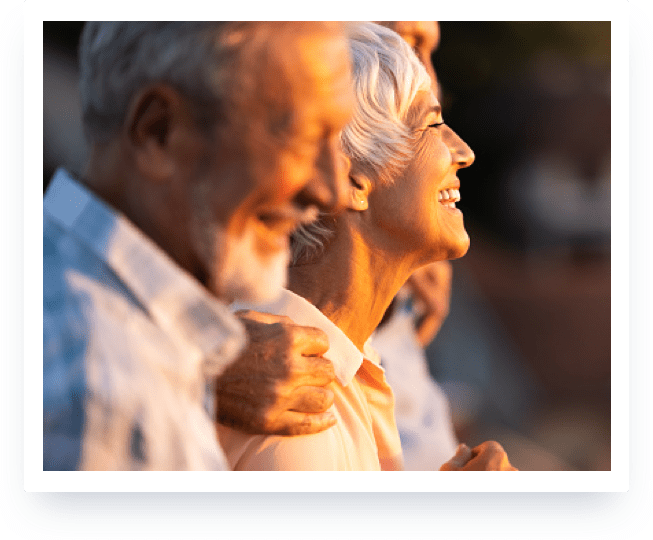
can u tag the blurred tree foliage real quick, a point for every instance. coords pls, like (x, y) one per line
(477, 54)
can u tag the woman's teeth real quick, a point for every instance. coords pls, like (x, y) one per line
(449, 197)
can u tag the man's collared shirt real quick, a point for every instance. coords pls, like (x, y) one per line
(365, 436)
(129, 341)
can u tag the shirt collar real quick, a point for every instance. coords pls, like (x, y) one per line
(174, 298)
(344, 355)
(371, 354)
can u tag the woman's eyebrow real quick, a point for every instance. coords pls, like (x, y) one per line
(414, 114)
(434, 109)
(437, 109)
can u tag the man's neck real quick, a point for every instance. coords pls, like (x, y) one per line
(111, 176)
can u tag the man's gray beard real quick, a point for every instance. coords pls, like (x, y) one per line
(236, 271)
(245, 277)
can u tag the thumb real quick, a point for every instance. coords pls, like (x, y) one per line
(460, 458)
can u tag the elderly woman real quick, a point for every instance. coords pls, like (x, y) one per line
(401, 214)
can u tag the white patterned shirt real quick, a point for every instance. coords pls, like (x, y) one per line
(130, 340)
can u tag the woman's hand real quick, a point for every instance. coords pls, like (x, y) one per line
(488, 456)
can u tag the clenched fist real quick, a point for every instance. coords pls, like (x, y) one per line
(278, 385)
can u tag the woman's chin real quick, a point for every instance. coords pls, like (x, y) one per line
(458, 249)
(447, 252)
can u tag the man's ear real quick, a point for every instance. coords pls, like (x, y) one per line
(151, 118)
(360, 187)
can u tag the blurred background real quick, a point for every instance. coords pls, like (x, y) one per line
(524, 355)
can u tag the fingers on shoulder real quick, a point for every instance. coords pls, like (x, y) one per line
(260, 317)
(311, 399)
(292, 423)
(309, 340)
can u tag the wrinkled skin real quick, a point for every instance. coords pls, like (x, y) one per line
(488, 456)
(430, 285)
(279, 384)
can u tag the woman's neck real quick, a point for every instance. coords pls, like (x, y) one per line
(352, 283)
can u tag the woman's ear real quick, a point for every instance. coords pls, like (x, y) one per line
(360, 187)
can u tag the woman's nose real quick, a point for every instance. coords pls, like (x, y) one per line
(461, 153)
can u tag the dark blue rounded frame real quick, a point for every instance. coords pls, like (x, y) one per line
(289, 515)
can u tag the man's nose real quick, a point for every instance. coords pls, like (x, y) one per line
(328, 187)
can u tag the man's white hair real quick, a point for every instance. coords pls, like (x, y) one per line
(205, 61)
(118, 58)
(387, 76)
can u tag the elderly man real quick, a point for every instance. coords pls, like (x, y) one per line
(209, 142)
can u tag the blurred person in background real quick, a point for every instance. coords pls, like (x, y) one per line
(210, 142)
(424, 38)
(400, 215)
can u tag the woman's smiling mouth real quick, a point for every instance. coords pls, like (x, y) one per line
(449, 197)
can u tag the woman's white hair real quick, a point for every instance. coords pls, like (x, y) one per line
(387, 76)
